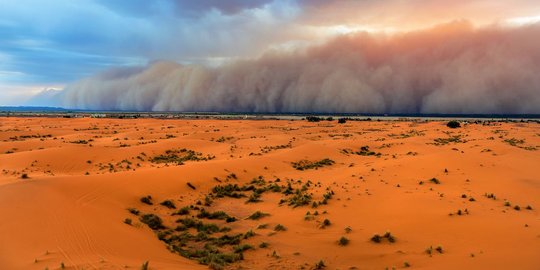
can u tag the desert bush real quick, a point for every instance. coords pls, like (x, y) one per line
(153, 221)
(378, 238)
(453, 124)
(183, 211)
(254, 197)
(430, 250)
(300, 199)
(258, 215)
(249, 234)
(179, 156)
(134, 211)
(435, 181)
(229, 190)
(169, 204)
(220, 215)
(326, 222)
(313, 119)
(320, 265)
(280, 227)
(306, 164)
(242, 248)
(147, 200)
(343, 241)
(364, 151)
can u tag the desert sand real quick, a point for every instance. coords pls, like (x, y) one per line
(464, 198)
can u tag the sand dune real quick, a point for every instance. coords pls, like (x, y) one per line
(66, 185)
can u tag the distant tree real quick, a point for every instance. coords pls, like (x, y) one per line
(313, 119)
(453, 124)
(342, 120)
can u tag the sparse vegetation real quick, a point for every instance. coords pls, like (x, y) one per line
(307, 165)
(180, 156)
(430, 250)
(153, 221)
(364, 151)
(258, 215)
(460, 212)
(378, 238)
(450, 139)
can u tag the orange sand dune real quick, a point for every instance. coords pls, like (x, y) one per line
(66, 185)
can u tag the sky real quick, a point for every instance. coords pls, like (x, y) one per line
(63, 44)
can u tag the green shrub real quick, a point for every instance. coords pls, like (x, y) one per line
(153, 221)
(169, 204)
(320, 265)
(183, 211)
(343, 241)
(326, 222)
(280, 227)
(306, 164)
(388, 236)
(258, 215)
(242, 248)
(147, 200)
(453, 124)
(434, 181)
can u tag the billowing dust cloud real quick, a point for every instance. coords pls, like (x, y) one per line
(452, 68)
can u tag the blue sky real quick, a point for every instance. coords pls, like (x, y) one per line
(49, 44)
